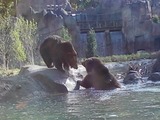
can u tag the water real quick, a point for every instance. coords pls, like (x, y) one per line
(131, 102)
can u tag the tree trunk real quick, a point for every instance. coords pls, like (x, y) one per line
(4, 62)
(7, 61)
(32, 57)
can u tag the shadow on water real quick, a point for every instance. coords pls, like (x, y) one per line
(131, 102)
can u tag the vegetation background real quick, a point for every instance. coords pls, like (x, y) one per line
(18, 37)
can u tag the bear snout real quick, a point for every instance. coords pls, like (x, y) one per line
(83, 63)
(74, 66)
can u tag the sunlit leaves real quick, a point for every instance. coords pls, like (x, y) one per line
(23, 35)
(17, 38)
(65, 34)
(83, 4)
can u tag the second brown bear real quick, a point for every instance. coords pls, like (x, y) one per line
(98, 76)
(56, 52)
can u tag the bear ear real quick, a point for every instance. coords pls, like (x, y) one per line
(92, 59)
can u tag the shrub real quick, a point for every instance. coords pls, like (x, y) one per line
(156, 19)
(91, 44)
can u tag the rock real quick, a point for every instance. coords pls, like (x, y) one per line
(47, 76)
(156, 66)
(132, 77)
(33, 79)
(154, 77)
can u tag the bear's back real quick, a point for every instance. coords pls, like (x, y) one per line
(67, 46)
(51, 41)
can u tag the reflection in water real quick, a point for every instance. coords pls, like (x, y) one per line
(132, 102)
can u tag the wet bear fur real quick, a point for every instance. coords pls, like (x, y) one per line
(98, 76)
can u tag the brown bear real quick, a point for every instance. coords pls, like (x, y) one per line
(98, 76)
(59, 53)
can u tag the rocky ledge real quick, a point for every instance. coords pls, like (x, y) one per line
(34, 79)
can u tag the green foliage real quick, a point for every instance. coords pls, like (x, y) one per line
(83, 4)
(24, 34)
(5, 40)
(18, 47)
(122, 58)
(91, 44)
(17, 36)
(156, 19)
(8, 7)
(10, 72)
(65, 34)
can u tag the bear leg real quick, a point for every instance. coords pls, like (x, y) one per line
(77, 85)
(48, 61)
(66, 66)
(86, 83)
(58, 65)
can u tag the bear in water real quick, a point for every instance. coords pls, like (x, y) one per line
(98, 76)
(59, 53)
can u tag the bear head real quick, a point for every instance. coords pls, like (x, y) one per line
(70, 55)
(91, 63)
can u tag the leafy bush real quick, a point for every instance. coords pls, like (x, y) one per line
(65, 34)
(156, 19)
(83, 4)
(91, 44)
(17, 40)
(23, 35)
(122, 58)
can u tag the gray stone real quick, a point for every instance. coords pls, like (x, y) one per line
(132, 77)
(154, 77)
(138, 31)
(33, 79)
(156, 66)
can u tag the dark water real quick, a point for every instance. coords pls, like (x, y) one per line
(133, 102)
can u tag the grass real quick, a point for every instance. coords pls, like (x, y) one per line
(130, 57)
(9, 72)
(123, 58)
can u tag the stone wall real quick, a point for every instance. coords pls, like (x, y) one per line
(50, 21)
(38, 5)
(138, 31)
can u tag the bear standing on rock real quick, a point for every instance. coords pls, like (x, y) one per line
(98, 76)
(59, 53)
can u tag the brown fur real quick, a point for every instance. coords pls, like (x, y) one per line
(98, 76)
(56, 52)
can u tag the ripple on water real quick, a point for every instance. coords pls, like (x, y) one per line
(131, 102)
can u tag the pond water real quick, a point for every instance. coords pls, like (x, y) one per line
(132, 102)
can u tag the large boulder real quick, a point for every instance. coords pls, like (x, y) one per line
(155, 75)
(156, 66)
(132, 77)
(34, 79)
